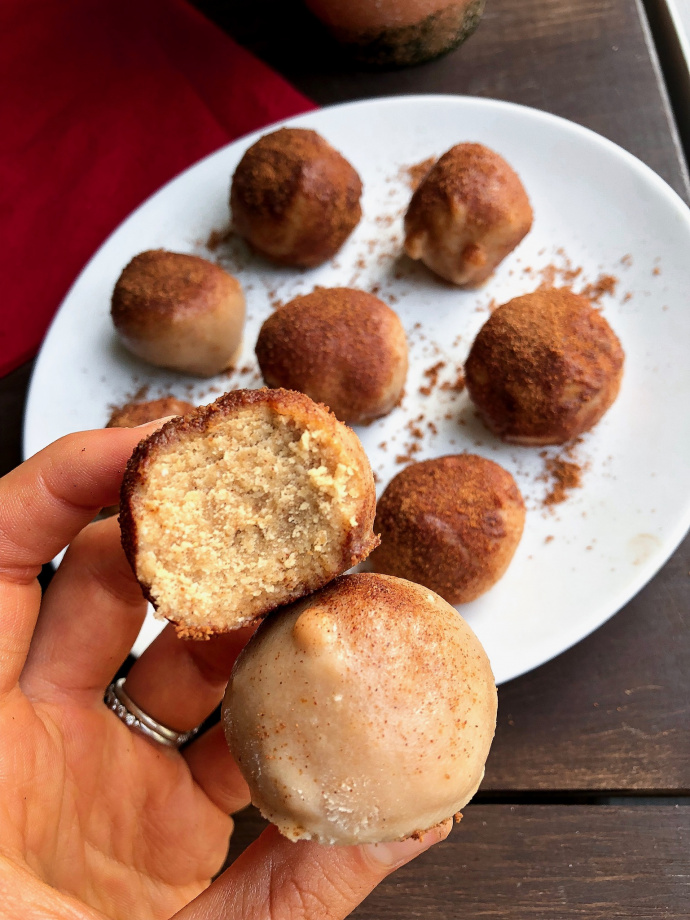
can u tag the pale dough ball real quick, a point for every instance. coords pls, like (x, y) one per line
(468, 213)
(362, 714)
(179, 311)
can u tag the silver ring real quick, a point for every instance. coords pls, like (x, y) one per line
(124, 707)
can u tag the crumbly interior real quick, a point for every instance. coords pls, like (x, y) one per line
(239, 519)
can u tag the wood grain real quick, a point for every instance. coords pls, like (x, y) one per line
(611, 713)
(529, 861)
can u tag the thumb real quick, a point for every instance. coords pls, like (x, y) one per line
(275, 879)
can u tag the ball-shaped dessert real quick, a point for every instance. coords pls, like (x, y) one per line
(544, 368)
(244, 505)
(340, 346)
(451, 524)
(294, 198)
(362, 714)
(179, 311)
(133, 414)
(468, 213)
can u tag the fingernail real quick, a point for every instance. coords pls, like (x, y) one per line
(392, 855)
(159, 422)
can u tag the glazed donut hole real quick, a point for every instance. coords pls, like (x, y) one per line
(361, 714)
(342, 347)
(451, 524)
(244, 505)
(468, 213)
(544, 368)
(180, 312)
(294, 198)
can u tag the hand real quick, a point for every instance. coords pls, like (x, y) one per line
(95, 820)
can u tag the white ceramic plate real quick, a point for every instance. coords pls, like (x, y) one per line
(596, 208)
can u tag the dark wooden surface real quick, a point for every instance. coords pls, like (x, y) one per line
(611, 716)
(525, 862)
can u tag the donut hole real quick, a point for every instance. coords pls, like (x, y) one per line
(254, 513)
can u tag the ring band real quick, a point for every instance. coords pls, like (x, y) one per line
(124, 707)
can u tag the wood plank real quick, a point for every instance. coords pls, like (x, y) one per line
(589, 61)
(611, 713)
(528, 861)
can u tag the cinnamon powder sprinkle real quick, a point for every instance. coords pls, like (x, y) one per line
(414, 174)
(566, 475)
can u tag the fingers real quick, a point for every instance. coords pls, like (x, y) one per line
(90, 616)
(275, 879)
(181, 681)
(214, 769)
(44, 503)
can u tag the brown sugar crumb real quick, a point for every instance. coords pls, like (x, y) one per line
(627, 296)
(548, 539)
(656, 270)
(604, 284)
(414, 174)
(456, 386)
(457, 817)
(216, 237)
(627, 260)
(566, 475)
(425, 391)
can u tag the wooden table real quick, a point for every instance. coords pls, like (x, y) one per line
(584, 809)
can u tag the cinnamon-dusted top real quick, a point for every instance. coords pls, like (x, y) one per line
(158, 286)
(539, 361)
(480, 180)
(340, 345)
(444, 520)
(294, 197)
(132, 414)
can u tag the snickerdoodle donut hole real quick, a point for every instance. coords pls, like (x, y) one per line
(451, 524)
(133, 414)
(294, 198)
(363, 713)
(467, 214)
(544, 368)
(244, 505)
(343, 347)
(180, 312)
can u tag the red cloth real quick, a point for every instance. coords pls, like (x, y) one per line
(102, 102)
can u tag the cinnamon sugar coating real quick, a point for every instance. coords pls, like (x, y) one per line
(179, 311)
(133, 414)
(544, 368)
(342, 347)
(451, 524)
(361, 714)
(294, 198)
(244, 505)
(470, 211)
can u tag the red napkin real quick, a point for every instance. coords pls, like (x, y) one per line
(103, 101)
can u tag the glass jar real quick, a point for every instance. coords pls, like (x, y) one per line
(399, 32)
